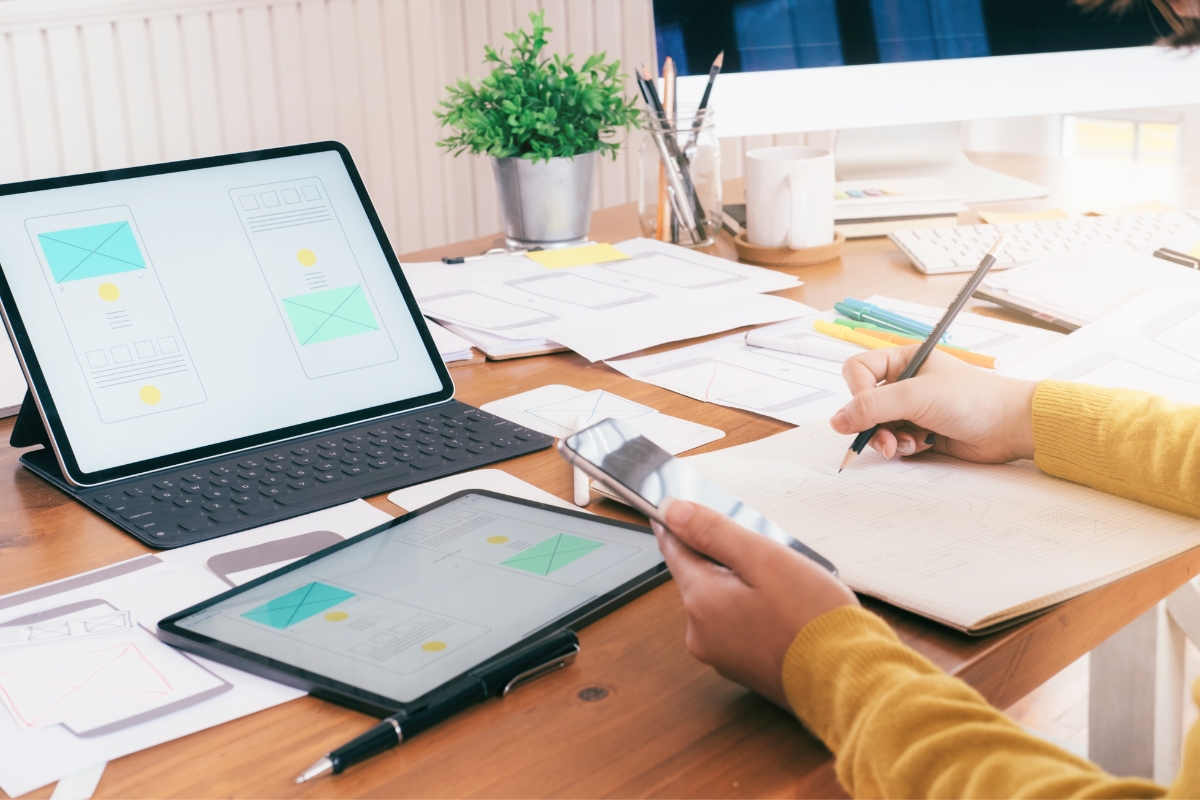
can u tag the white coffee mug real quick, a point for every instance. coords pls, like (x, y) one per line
(789, 197)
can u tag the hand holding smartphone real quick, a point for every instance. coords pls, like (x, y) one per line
(643, 475)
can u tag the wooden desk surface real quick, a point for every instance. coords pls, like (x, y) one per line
(664, 725)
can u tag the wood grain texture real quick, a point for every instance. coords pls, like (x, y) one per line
(666, 725)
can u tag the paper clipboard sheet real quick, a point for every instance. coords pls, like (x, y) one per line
(969, 545)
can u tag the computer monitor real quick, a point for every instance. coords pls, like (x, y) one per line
(894, 77)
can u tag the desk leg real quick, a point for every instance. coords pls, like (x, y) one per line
(1136, 695)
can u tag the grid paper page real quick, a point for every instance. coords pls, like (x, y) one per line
(971, 545)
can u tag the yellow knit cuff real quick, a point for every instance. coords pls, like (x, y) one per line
(831, 666)
(1070, 424)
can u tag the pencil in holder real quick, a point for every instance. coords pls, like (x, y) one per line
(679, 178)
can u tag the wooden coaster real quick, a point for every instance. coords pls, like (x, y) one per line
(784, 257)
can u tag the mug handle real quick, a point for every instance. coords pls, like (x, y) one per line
(796, 213)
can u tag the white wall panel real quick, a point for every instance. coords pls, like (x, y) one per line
(103, 84)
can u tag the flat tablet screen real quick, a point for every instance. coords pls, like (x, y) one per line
(180, 311)
(399, 612)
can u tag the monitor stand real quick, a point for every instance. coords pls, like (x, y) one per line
(935, 150)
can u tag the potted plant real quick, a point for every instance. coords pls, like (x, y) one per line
(544, 122)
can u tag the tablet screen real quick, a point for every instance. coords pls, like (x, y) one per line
(401, 612)
(169, 312)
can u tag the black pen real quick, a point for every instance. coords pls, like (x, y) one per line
(918, 360)
(545, 656)
(495, 251)
(713, 72)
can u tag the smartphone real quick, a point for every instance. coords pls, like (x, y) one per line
(643, 474)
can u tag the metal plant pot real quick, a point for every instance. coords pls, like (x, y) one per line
(545, 203)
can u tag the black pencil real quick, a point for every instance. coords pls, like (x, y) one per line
(918, 360)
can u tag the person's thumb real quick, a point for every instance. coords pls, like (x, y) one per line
(888, 403)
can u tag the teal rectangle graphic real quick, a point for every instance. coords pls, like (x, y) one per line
(75, 254)
(551, 554)
(330, 314)
(298, 605)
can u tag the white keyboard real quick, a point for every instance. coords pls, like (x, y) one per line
(960, 249)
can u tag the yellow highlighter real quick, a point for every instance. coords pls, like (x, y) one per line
(851, 335)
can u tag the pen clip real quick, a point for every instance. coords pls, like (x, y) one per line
(553, 665)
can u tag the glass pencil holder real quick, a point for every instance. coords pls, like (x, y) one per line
(679, 178)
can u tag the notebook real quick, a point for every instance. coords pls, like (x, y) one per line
(976, 547)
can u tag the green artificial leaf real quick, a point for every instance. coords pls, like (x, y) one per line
(535, 107)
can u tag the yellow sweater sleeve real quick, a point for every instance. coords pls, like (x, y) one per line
(900, 727)
(1122, 442)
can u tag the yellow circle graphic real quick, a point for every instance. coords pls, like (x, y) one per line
(108, 292)
(497, 539)
(433, 647)
(306, 257)
(336, 616)
(150, 395)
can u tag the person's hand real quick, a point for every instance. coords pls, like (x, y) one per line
(742, 616)
(948, 406)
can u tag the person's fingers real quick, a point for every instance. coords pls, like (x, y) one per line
(884, 442)
(714, 535)
(888, 403)
(866, 370)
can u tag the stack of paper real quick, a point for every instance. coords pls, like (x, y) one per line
(974, 546)
(660, 293)
(801, 389)
(1077, 287)
(451, 347)
(555, 410)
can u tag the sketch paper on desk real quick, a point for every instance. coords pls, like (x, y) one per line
(148, 588)
(553, 409)
(662, 293)
(1151, 343)
(801, 389)
(1081, 285)
(970, 545)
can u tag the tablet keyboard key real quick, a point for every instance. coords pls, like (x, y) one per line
(274, 491)
(427, 462)
(195, 477)
(251, 474)
(218, 505)
(475, 448)
(354, 448)
(300, 472)
(523, 434)
(325, 466)
(217, 494)
(353, 438)
(165, 496)
(302, 483)
(502, 442)
(137, 513)
(257, 507)
(303, 460)
(129, 504)
(134, 491)
(270, 480)
(381, 463)
(166, 484)
(224, 515)
(195, 524)
(241, 486)
(327, 476)
(250, 463)
(276, 467)
(187, 502)
(221, 471)
(244, 497)
(292, 498)
(223, 480)
(455, 455)
(301, 451)
(276, 457)
(350, 459)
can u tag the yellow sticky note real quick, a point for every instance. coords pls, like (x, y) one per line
(577, 256)
(999, 217)
(1152, 207)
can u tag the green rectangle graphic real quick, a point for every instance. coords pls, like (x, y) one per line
(330, 314)
(297, 606)
(551, 554)
(91, 251)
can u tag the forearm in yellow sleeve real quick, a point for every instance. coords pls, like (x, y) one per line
(1127, 443)
(901, 728)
